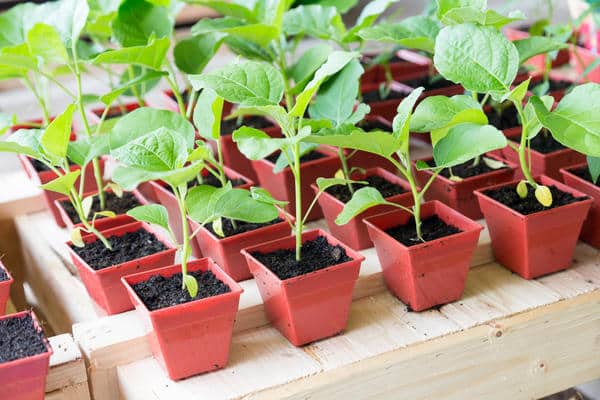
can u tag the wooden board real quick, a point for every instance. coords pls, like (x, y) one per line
(67, 378)
(508, 338)
(20, 195)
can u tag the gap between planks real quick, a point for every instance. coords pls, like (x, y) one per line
(67, 377)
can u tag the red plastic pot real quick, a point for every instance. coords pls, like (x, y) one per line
(386, 108)
(554, 76)
(536, 244)
(309, 307)
(102, 223)
(412, 63)
(459, 195)
(281, 184)
(428, 274)
(50, 197)
(542, 164)
(354, 233)
(538, 62)
(226, 252)
(165, 197)
(4, 290)
(96, 113)
(590, 233)
(191, 338)
(104, 286)
(580, 59)
(25, 378)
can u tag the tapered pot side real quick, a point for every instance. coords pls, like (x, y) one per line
(104, 285)
(459, 195)
(190, 338)
(536, 244)
(428, 274)
(312, 306)
(590, 232)
(5, 289)
(354, 233)
(25, 378)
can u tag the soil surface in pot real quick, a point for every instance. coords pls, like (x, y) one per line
(555, 85)
(211, 180)
(543, 143)
(583, 173)
(3, 275)
(40, 166)
(429, 82)
(130, 246)
(19, 338)
(118, 205)
(468, 170)
(313, 155)
(230, 125)
(432, 228)
(374, 96)
(508, 196)
(385, 187)
(316, 254)
(160, 292)
(374, 125)
(508, 118)
(240, 226)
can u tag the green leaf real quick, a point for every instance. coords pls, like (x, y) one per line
(75, 237)
(316, 21)
(479, 58)
(151, 55)
(534, 45)
(200, 202)
(23, 141)
(201, 153)
(207, 114)
(227, 8)
(240, 205)
(155, 214)
(261, 34)
(85, 149)
(362, 200)
(148, 76)
(463, 142)
(401, 122)
(263, 196)
(55, 139)
(193, 53)
(249, 83)
(575, 122)
(446, 6)
(594, 167)
(45, 42)
(145, 120)
(517, 94)
(437, 112)
(130, 177)
(191, 284)
(533, 126)
(256, 144)
(249, 49)
(7, 121)
(358, 114)
(138, 20)
(63, 184)
(368, 16)
(276, 113)
(376, 142)
(183, 175)
(341, 5)
(418, 32)
(306, 66)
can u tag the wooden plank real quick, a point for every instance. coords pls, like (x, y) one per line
(67, 377)
(20, 196)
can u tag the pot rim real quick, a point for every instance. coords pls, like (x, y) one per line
(162, 186)
(10, 279)
(23, 361)
(321, 149)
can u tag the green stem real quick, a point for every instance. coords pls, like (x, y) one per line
(45, 114)
(523, 145)
(134, 90)
(172, 80)
(190, 105)
(222, 176)
(184, 230)
(282, 64)
(345, 170)
(298, 193)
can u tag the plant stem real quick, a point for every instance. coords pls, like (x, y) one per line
(45, 114)
(523, 145)
(184, 230)
(298, 193)
(282, 64)
(222, 176)
(172, 81)
(134, 90)
(190, 105)
(345, 170)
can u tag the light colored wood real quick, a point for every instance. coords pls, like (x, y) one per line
(19, 195)
(67, 377)
(79, 391)
(10, 307)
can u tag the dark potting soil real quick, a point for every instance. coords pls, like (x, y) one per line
(211, 180)
(468, 170)
(374, 96)
(19, 338)
(40, 166)
(508, 196)
(230, 125)
(313, 155)
(432, 228)
(544, 143)
(118, 205)
(508, 118)
(583, 173)
(3, 275)
(316, 254)
(385, 187)
(372, 125)
(429, 83)
(130, 246)
(160, 292)
(240, 226)
(555, 85)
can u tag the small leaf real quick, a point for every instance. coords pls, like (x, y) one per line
(115, 188)
(75, 237)
(543, 195)
(155, 214)
(191, 284)
(522, 189)
(263, 196)
(256, 144)
(193, 53)
(493, 164)
(534, 45)
(86, 205)
(362, 200)
(594, 167)
(518, 93)
(217, 226)
(63, 184)
(55, 139)
(339, 174)
(151, 55)
(207, 114)
(422, 165)
(105, 213)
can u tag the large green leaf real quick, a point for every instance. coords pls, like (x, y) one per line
(151, 55)
(63, 184)
(436, 112)
(249, 49)
(303, 70)
(45, 42)
(575, 122)
(376, 142)
(248, 83)
(534, 45)
(193, 53)
(256, 144)
(138, 20)
(479, 58)
(463, 142)
(207, 114)
(145, 120)
(55, 139)
(261, 34)
(276, 113)
(238, 204)
(418, 32)
(316, 21)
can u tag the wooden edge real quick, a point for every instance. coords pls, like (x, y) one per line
(21, 196)
(528, 355)
(67, 367)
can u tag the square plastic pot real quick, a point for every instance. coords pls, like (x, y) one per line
(104, 286)
(411, 63)
(5, 290)
(429, 274)
(459, 195)
(536, 244)
(191, 338)
(354, 233)
(312, 306)
(226, 252)
(590, 233)
(25, 378)
(281, 184)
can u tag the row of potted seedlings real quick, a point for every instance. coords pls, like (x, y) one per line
(319, 157)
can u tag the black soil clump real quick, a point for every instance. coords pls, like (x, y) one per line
(240, 226)
(432, 228)
(508, 196)
(374, 96)
(429, 82)
(118, 205)
(3, 275)
(374, 125)
(230, 125)
(468, 170)
(19, 338)
(544, 143)
(508, 118)
(211, 180)
(317, 254)
(311, 156)
(40, 166)
(583, 173)
(160, 292)
(385, 187)
(130, 246)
